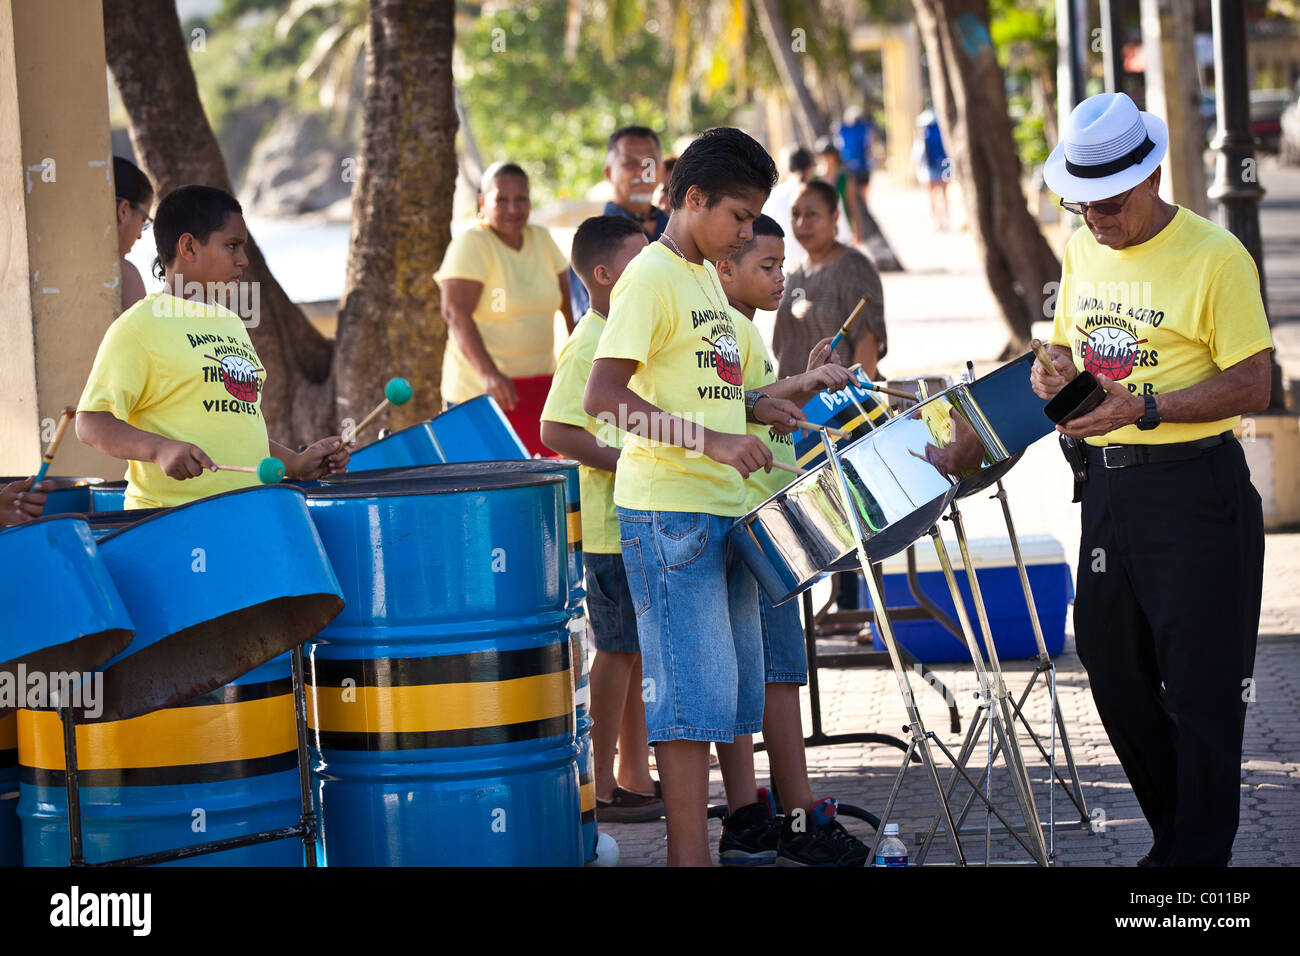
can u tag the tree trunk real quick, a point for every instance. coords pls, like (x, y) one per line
(781, 44)
(966, 85)
(175, 145)
(389, 316)
(390, 320)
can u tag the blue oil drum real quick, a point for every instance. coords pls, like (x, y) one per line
(234, 580)
(586, 760)
(441, 698)
(108, 496)
(219, 766)
(11, 833)
(476, 430)
(63, 616)
(70, 495)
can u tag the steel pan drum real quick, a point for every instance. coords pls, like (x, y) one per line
(471, 431)
(843, 409)
(62, 609)
(108, 496)
(215, 587)
(1016, 413)
(69, 494)
(901, 476)
(11, 833)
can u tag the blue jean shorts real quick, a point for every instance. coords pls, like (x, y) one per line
(785, 658)
(698, 620)
(609, 604)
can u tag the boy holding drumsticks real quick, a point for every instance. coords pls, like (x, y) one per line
(177, 384)
(667, 370)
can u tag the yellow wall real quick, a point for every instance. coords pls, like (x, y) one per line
(59, 282)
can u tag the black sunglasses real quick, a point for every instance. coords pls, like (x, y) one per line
(148, 219)
(1101, 208)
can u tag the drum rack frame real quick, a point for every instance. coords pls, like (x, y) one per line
(305, 828)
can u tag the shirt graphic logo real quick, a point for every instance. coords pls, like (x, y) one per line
(727, 353)
(1110, 351)
(239, 376)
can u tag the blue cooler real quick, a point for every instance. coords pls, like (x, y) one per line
(995, 564)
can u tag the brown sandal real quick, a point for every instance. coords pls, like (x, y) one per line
(624, 806)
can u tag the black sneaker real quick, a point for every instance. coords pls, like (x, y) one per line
(750, 835)
(816, 838)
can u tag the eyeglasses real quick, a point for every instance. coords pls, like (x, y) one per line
(148, 220)
(1101, 208)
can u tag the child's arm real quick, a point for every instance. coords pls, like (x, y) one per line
(22, 501)
(580, 445)
(106, 432)
(824, 374)
(329, 456)
(609, 399)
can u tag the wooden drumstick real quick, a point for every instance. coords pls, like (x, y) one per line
(1044, 356)
(269, 471)
(396, 392)
(835, 432)
(862, 304)
(54, 444)
(793, 469)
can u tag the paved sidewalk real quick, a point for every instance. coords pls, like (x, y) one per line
(940, 313)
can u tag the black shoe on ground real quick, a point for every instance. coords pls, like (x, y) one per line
(749, 836)
(816, 838)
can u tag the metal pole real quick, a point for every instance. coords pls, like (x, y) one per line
(304, 773)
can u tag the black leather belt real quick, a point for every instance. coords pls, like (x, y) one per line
(1127, 456)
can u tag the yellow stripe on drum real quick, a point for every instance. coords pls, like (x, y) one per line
(431, 708)
(9, 732)
(575, 528)
(174, 736)
(587, 793)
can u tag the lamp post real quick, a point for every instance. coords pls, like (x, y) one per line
(1236, 171)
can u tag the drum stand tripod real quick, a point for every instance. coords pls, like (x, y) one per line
(1073, 788)
(920, 737)
(305, 828)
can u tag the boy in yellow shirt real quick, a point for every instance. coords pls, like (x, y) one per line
(667, 370)
(810, 835)
(602, 248)
(177, 385)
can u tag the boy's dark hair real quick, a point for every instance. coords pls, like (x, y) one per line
(722, 162)
(496, 171)
(825, 191)
(764, 225)
(198, 210)
(641, 132)
(798, 159)
(596, 242)
(130, 183)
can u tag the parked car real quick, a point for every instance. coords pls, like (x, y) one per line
(1266, 107)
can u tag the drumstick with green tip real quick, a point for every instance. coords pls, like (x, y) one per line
(54, 444)
(269, 471)
(396, 392)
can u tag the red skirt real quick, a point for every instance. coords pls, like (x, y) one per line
(526, 419)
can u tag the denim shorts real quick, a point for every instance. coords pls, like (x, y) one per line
(698, 620)
(609, 604)
(785, 658)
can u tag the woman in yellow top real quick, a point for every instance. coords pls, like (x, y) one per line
(502, 280)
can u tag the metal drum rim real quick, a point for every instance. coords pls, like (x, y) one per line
(410, 487)
(167, 512)
(449, 470)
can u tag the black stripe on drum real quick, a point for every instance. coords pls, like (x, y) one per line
(588, 817)
(8, 758)
(481, 667)
(240, 693)
(584, 779)
(164, 776)
(434, 739)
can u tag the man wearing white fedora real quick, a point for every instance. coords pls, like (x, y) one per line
(1163, 307)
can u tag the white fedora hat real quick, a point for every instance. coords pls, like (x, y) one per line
(1108, 146)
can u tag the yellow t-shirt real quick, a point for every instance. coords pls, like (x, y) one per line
(564, 405)
(187, 371)
(515, 314)
(1161, 316)
(759, 370)
(672, 318)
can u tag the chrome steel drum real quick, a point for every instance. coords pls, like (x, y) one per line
(70, 495)
(853, 409)
(901, 476)
(215, 587)
(62, 610)
(1016, 413)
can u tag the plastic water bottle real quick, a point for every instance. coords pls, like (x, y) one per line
(891, 851)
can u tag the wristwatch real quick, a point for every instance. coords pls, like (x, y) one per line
(1151, 417)
(751, 400)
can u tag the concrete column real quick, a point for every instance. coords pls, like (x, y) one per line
(1173, 94)
(59, 282)
(900, 59)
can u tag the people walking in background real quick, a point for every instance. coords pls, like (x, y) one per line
(134, 195)
(501, 281)
(853, 136)
(932, 166)
(831, 169)
(634, 169)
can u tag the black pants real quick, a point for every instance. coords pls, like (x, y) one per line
(1171, 563)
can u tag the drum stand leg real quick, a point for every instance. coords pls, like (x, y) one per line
(75, 857)
(996, 706)
(304, 770)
